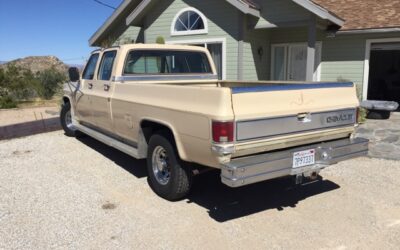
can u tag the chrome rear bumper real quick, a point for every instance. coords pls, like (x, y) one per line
(252, 169)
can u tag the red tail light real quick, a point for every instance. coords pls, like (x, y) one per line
(222, 131)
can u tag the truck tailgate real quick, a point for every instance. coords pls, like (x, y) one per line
(276, 110)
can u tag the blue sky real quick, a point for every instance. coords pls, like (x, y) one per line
(50, 27)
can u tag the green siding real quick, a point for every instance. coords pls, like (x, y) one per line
(221, 24)
(131, 35)
(256, 67)
(343, 59)
(343, 56)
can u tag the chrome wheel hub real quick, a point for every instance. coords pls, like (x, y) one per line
(160, 164)
(68, 120)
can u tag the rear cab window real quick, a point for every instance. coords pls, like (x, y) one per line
(106, 65)
(88, 73)
(164, 62)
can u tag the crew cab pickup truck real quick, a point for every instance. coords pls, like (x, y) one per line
(164, 103)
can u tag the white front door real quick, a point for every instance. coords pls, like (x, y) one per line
(289, 62)
(297, 66)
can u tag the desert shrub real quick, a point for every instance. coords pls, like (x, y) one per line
(2, 75)
(17, 83)
(160, 40)
(362, 115)
(7, 102)
(49, 82)
(109, 42)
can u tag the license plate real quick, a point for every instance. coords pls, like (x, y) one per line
(304, 158)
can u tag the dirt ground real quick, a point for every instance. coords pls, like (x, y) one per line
(64, 193)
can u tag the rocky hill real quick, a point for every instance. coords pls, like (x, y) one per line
(39, 63)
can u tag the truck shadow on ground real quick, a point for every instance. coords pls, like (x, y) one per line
(224, 203)
(130, 164)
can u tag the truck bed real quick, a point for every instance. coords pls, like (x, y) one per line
(273, 115)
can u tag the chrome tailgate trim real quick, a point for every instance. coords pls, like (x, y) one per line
(286, 125)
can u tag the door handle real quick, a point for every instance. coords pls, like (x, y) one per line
(106, 87)
(90, 85)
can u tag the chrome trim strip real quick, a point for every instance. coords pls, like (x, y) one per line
(288, 86)
(223, 150)
(127, 149)
(286, 125)
(165, 77)
(109, 134)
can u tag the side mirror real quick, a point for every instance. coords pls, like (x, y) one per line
(73, 73)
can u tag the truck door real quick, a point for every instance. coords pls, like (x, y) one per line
(102, 91)
(83, 110)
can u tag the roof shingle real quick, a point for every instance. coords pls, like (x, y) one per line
(365, 14)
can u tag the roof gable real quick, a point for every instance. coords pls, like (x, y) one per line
(131, 10)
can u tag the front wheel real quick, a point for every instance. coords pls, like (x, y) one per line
(66, 120)
(169, 177)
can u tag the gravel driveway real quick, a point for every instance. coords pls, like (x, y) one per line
(63, 193)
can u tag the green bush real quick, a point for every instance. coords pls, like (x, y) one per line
(160, 40)
(7, 102)
(362, 115)
(17, 83)
(49, 82)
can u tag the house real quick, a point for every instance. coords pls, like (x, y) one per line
(318, 40)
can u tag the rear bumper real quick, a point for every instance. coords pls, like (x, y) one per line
(252, 169)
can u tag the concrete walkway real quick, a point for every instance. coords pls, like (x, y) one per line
(384, 136)
(28, 121)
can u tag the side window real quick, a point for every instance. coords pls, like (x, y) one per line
(88, 73)
(106, 66)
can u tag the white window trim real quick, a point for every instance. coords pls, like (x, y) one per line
(189, 32)
(317, 73)
(205, 42)
(369, 43)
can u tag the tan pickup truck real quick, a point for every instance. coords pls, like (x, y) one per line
(164, 103)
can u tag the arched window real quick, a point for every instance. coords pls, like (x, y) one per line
(189, 21)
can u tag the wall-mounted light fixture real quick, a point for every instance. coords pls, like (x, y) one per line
(260, 52)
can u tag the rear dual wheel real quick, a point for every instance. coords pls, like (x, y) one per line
(169, 177)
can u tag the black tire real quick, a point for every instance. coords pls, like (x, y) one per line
(65, 111)
(180, 176)
(378, 115)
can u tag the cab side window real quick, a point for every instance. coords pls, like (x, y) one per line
(106, 66)
(88, 73)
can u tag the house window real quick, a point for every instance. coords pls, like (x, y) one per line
(289, 62)
(189, 21)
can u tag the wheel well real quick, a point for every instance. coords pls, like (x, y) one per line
(66, 100)
(149, 128)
